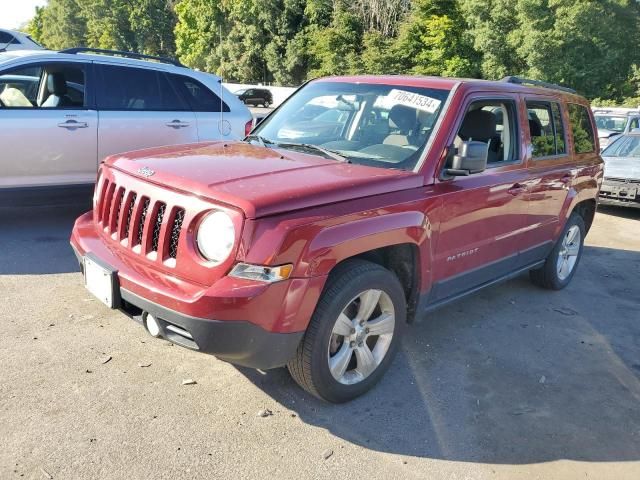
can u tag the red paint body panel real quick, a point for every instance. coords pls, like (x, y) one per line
(314, 213)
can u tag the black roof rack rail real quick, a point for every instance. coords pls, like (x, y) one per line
(120, 53)
(537, 83)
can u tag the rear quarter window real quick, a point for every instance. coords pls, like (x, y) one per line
(200, 98)
(582, 129)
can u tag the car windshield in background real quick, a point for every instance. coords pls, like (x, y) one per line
(609, 122)
(625, 146)
(379, 125)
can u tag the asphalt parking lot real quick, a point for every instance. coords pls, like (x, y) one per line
(513, 382)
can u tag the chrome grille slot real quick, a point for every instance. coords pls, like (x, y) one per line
(127, 225)
(106, 205)
(175, 232)
(143, 217)
(115, 211)
(157, 226)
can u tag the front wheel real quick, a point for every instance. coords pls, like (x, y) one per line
(353, 334)
(562, 262)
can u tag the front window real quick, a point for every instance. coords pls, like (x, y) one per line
(611, 122)
(626, 146)
(378, 125)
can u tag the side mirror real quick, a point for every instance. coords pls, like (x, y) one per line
(471, 158)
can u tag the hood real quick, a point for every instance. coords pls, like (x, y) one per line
(260, 181)
(622, 167)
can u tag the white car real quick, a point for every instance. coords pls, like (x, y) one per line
(62, 113)
(14, 40)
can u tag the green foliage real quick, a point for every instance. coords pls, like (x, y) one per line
(586, 44)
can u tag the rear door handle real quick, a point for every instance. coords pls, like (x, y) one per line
(517, 189)
(73, 124)
(177, 124)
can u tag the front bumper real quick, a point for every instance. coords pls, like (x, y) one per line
(247, 323)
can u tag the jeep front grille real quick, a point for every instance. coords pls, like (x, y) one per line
(142, 224)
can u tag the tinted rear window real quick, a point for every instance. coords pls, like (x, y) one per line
(583, 137)
(127, 88)
(200, 98)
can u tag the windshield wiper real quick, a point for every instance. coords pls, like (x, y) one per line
(263, 141)
(309, 146)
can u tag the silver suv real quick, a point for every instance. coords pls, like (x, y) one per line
(61, 113)
(612, 123)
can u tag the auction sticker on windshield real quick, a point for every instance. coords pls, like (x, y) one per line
(414, 100)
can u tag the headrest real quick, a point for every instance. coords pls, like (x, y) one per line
(478, 124)
(56, 84)
(403, 117)
(535, 129)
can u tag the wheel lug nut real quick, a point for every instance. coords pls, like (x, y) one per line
(366, 330)
(353, 330)
(360, 344)
(352, 344)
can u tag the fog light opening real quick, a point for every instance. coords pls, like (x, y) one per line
(152, 325)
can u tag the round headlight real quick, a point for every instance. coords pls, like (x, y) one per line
(216, 237)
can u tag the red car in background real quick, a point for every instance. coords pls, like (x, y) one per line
(315, 249)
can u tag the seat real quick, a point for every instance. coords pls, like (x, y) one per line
(535, 129)
(57, 92)
(480, 126)
(402, 120)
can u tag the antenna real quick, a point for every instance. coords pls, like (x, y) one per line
(6, 45)
(222, 129)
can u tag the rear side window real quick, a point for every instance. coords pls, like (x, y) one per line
(7, 38)
(583, 137)
(546, 129)
(127, 88)
(200, 98)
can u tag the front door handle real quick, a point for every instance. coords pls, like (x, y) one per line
(517, 189)
(177, 124)
(73, 124)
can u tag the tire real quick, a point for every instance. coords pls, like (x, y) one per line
(550, 275)
(352, 281)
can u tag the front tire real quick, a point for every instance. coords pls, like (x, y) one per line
(353, 334)
(562, 262)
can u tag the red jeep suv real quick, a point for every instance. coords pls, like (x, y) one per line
(358, 205)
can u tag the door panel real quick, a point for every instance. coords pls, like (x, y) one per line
(48, 130)
(140, 108)
(483, 215)
(133, 130)
(551, 173)
(38, 150)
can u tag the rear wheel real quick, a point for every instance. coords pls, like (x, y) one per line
(353, 334)
(562, 262)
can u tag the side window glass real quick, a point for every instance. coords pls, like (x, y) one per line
(127, 88)
(51, 86)
(19, 88)
(5, 39)
(546, 129)
(541, 129)
(634, 124)
(583, 136)
(200, 98)
(494, 123)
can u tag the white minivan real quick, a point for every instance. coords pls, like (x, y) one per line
(61, 113)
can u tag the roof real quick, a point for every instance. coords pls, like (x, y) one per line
(447, 83)
(12, 55)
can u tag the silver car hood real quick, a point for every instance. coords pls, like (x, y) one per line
(622, 167)
(604, 133)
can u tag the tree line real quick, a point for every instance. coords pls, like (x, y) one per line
(590, 45)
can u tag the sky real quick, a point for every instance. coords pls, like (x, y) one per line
(16, 12)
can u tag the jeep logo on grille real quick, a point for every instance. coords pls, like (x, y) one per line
(146, 172)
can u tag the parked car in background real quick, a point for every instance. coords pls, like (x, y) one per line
(621, 185)
(315, 253)
(614, 122)
(15, 40)
(255, 96)
(61, 113)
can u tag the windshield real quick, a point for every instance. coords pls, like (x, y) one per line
(379, 125)
(625, 146)
(240, 92)
(610, 122)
